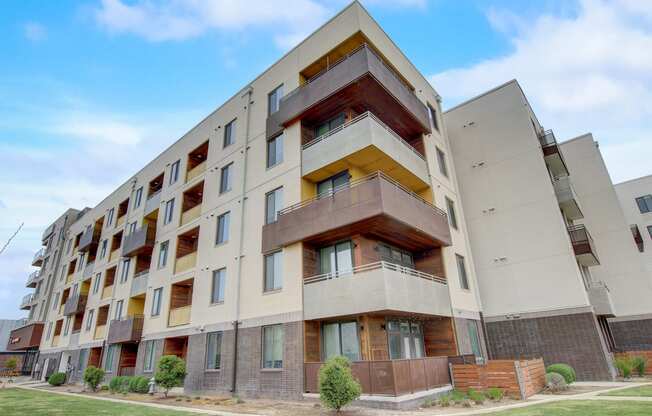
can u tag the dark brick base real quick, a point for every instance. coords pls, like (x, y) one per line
(53, 364)
(634, 335)
(572, 339)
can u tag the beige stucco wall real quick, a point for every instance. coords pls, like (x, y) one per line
(627, 193)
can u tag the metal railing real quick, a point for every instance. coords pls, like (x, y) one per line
(27, 299)
(33, 276)
(373, 176)
(579, 234)
(39, 254)
(375, 266)
(354, 121)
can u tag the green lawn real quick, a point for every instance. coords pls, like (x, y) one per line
(15, 401)
(642, 391)
(583, 408)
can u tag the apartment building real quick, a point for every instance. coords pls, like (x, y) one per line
(314, 213)
(46, 262)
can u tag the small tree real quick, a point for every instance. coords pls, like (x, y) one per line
(337, 387)
(11, 365)
(93, 376)
(170, 372)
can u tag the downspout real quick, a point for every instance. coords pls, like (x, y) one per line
(245, 151)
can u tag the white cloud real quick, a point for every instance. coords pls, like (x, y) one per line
(34, 32)
(588, 71)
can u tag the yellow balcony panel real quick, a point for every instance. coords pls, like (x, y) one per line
(61, 308)
(70, 278)
(55, 340)
(115, 255)
(179, 316)
(186, 262)
(120, 221)
(107, 292)
(191, 214)
(196, 171)
(100, 330)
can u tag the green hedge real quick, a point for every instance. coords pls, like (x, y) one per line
(131, 384)
(57, 379)
(564, 370)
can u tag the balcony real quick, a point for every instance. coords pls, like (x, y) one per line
(583, 245)
(62, 308)
(179, 316)
(361, 79)
(139, 284)
(26, 337)
(368, 143)
(75, 304)
(48, 232)
(552, 154)
(115, 255)
(638, 238)
(39, 256)
(196, 171)
(152, 203)
(89, 239)
(128, 329)
(600, 298)
(100, 331)
(140, 241)
(87, 273)
(374, 287)
(107, 292)
(568, 201)
(120, 220)
(70, 277)
(375, 205)
(33, 278)
(191, 214)
(26, 302)
(185, 263)
(55, 340)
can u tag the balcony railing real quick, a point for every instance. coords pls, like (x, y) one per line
(600, 298)
(186, 262)
(552, 154)
(127, 329)
(140, 240)
(115, 255)
(33, 278)
(38, 257)
(120, 220)
(191, 214)
(91, 237)
(139, 283)
(179, 316)
(75, 304)
(406, 271)
(26, 302)
(196, 171)
(107, 292)
(55, 340)
(100, 331)
(153, 202)
(87, 273)
(583, 245)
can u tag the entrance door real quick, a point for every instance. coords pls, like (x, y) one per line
(44, 369)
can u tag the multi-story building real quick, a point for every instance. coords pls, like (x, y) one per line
(314, 213)
(46, 260)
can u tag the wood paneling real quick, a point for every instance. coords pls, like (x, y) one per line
(312, 341)
(431, 261)
(518, 378)
(181, 294)
(28, 336)
(95, 357)
(176, 346)
(439, 337)
(373, 338)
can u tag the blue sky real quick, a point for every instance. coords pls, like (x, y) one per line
(105, 85)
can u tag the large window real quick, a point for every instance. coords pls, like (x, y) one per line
(432, 115)
(169, 212)
(174, 172)
(219, 280)
(329, 125)
(274, 151)
(395, 255)
(475, 340)
(156, 301)
(273, 204)
(103, 249)
(229, 134)
(163, 254)
(274, 99)
(96, 283)
(110, 354)
(117, 314)
(405, 339)
(273, 271)
(441, 160)
(148, 364)
(55, 305)
(66, 328)
(213, 350)
(461, 270)
(139, 197)
(109, 221)
(452, 217)
(273, 346)
(223, 223)
(336, 259)
(89, 320)
(124, 273)
(335, 182)
(644, 203)
(341, 338)
(226, 178)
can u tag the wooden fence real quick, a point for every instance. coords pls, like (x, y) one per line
(517, 378)
(647, 355)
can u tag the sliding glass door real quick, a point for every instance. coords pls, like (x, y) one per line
(336, 259)
(341, 338)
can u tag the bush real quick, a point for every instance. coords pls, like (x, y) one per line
(555, 382)
(638, 365)
(93, 376)
(139, 384)
(119, 384)
(624, 366)
(476, 396)
(445, 401)
(496, 394)
(565, 370)
(457, 396)
(337, 387)
(57, 379)
(170, 372)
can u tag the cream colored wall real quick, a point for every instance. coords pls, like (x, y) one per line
(627, 193)
(621, 266)
(522, 252)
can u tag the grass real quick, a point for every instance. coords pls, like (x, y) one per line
(641, 391)
(14, 401)
(583, 408)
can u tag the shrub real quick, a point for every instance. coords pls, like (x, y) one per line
(445, 401)
(555, 383)
(119, 384)
(476, 396)
(57, 379)
(565, 370)
(170, 372)
(337, 387)
(11, 365)
(495, 393)
(624, 366)
(638, 365)
(93, 376)
(139, 384)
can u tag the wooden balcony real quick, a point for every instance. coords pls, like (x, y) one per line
(26, 337)
(185, 263)
(375, 205)
(100, 331)
(107, 292)
(583, 245)
(196, 171)
(128, 329)
(390, 377)
(140, 241)
(191, 214)
(179, 316)
(75, 304)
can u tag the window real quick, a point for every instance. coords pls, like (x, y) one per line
(336, 259)
(103, 249)
(274, 151)
(110, 353)
(405, 339)
(89, 320)
(441, 160)
(109, 216)
(149, 356)
(273, 346)
(156, 301)
(226, 178)
(452, 217)
(223, 222)
(132, 227)
(169, 212)
(174, 172)
(329, 125)
(49, 330)
(219, 280)
(75, 288)
(213, 350)
(395, 255)
(229, 134)
(461, 269)
(163, 254)
(273, 204)
(341, 338)
(432, 115)
(274, 100)
(475, 340)
(649, 230)
(96, 283)
(644, 203)
(332, 184)
(273, 271)
(118, 309)
(124, 274)
(56, 301)
(69, 246)
(139, 197)
(66, 328)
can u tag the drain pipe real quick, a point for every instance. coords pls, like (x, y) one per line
(248, 93)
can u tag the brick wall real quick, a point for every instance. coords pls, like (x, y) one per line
(634, 335)
(201, 380)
